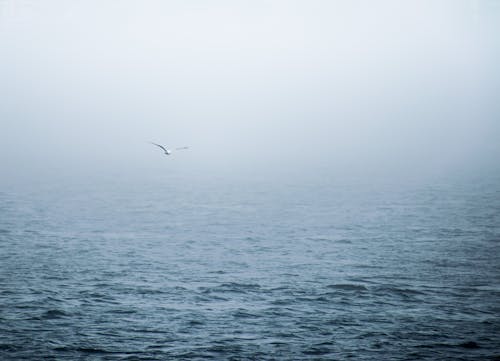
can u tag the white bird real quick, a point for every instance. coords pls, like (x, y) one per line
(168, 151)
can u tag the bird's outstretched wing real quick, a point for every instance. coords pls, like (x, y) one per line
(161, 146)
(181, 148)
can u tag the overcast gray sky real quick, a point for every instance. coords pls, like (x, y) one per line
(250, 85)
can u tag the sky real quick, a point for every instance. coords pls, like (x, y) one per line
(261, 86)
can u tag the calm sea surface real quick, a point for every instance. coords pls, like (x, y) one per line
(249, 270)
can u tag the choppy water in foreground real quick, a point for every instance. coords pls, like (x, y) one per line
(250, 271)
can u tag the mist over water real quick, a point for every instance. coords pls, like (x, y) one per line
(340, 197)
(335, 85)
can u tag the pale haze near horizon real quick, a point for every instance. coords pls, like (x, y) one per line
(251, 86)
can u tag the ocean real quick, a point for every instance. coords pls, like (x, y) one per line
(184, 269)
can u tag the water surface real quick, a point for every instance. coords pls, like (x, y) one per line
(241, 270)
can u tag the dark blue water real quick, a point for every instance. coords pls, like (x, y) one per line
(164, 269)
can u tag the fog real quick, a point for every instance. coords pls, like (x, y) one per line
(253, 87)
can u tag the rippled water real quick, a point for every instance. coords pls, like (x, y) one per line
(249, 270)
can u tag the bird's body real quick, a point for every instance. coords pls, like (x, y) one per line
(168, 151)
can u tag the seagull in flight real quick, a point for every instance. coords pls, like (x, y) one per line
(168, 151)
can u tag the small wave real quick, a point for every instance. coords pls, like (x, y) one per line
(343, 321)
(244, 314)
(97, 297)
(88, 350)
(196, 322)
(348, 287)
(149, 331)
(317, 351)
(282, 302)
(249, 286)
(231, 287)
(91, 350)
(319, 239)
(361, 279)
(218, 272)
(404, 292)
(467, 344)
(8, 347)
(53, 314)
(287, 336)
(123, 312)
(369, 266)
(148, 291)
